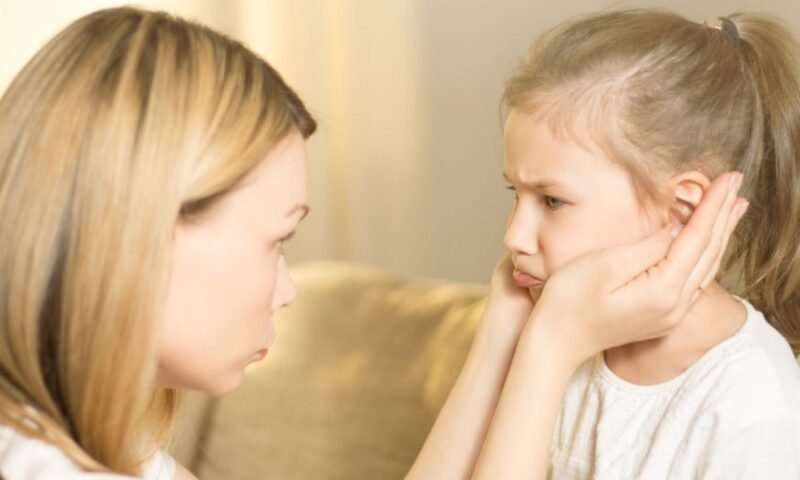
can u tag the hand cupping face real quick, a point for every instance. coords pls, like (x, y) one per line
(642, 290)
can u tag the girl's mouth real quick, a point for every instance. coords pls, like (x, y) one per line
(526, 280)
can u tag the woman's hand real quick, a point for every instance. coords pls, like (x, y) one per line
(529, 352)
(509, 306)
(604, 299)
(640, 291)
(505, 290)
(457, 436)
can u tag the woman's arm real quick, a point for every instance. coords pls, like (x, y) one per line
(599, 301)
(456, 438)
(518, 442)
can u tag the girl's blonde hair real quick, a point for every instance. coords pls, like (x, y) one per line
(124, 123)
(661, 95)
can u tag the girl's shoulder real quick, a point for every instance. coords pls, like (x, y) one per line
(23, 457)
(758, 376)
(756, 407)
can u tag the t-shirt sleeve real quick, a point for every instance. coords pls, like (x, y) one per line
(768, 450)
(161, 466)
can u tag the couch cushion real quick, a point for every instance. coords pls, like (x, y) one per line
(363, 361)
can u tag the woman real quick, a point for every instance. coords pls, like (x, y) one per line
(150, 169)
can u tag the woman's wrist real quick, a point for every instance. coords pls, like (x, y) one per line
(517, 443)
(542, 341)
(501, 325)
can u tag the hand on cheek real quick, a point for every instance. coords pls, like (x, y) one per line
(639, 291)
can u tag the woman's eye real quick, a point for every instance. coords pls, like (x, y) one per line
(553, 203)
(282, 243)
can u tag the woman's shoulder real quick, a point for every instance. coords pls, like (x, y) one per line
(23, 457)
(161, 466)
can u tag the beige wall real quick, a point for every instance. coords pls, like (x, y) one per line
(405, 172)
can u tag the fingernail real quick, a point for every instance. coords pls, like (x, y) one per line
(742, 209)
(675, 229)
(732, 182)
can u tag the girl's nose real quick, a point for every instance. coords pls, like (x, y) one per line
(521, 233)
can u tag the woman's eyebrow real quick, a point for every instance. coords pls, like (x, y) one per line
(299, 208)
(540, 184)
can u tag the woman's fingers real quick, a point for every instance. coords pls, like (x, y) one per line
(705, 264)
(504, 265)
(738, 212)
(736, 215)
(641, 290)
(696, 238)
(626, 262)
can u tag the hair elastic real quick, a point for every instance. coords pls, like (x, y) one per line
(728, 28)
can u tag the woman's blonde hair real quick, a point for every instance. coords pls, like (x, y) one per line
(124, 123)
(661, 94)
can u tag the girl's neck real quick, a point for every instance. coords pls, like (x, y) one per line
(716, 316)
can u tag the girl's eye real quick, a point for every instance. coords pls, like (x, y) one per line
(514, 191)
(553, 203)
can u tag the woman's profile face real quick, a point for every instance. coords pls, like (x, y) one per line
(229, 276)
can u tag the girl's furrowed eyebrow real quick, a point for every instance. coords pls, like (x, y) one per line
(541, 184)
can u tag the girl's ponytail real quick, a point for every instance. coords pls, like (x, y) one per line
(768, 247)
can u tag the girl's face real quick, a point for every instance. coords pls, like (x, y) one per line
(569, 202)
(229, 276)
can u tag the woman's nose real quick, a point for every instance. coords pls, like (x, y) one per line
(285, 290)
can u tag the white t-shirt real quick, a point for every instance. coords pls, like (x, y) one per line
(734, 414)
(25, 458)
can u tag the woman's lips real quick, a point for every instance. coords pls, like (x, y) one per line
(259, 355)
(526, 280)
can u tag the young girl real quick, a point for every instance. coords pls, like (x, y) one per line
(618, 122)
(150, 169)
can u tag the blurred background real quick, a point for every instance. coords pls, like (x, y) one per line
(406, 168)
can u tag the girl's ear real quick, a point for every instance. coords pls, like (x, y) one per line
(686, 191)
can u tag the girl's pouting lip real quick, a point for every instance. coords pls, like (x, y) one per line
(526, 280)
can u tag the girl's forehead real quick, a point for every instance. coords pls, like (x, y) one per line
(533, 148)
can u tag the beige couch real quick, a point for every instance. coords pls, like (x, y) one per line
(363, 361)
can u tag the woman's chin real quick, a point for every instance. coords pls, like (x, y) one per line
(216, 386)
(226, 385)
